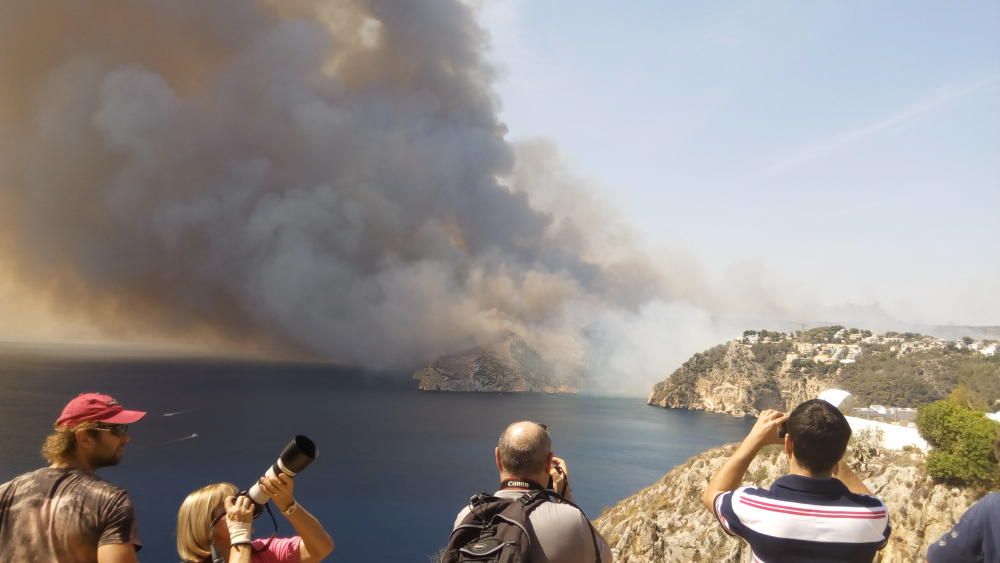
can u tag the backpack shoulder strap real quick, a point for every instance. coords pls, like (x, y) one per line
(519, 510)
(593, 532)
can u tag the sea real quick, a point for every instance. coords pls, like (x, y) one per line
(395, 464)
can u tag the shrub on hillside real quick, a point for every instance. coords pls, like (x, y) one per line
(962, 444)
(882, 377)
(771, 355)
(866, 448)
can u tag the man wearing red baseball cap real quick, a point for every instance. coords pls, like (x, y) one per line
(64, 512)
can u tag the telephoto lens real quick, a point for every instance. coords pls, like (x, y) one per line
(296, 456)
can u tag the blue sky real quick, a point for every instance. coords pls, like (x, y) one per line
(848, 150)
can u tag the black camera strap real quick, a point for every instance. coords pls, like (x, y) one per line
(520, 484)
(274, 525)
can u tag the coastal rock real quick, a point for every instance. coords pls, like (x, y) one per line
(730, 379)
(509, 365)
(766, 369)
(667, 522)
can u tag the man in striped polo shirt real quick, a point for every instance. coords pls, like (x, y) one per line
(819, 512)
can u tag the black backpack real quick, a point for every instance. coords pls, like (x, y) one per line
(496, 530)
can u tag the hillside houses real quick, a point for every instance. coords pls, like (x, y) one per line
(830, 345)
(924, 343)
(988, 348)
(828, 353)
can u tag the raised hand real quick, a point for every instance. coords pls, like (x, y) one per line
(765, 430)
(281, 488)
(239, 519)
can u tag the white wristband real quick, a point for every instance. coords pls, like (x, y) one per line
(239, 532)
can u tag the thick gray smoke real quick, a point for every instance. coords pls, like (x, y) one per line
(319, 178)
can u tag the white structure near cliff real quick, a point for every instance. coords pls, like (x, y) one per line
(894, 437)
(839, 398)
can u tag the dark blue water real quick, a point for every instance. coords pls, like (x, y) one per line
(395, 464)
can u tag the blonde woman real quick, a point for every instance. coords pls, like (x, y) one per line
(214, 525)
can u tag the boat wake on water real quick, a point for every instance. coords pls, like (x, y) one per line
(166, 442)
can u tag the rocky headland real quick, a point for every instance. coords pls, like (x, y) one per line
(667, 522)
(729, 379)
(507, 365)
(764, 370)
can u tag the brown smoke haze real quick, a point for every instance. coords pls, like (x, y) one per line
(315, 179)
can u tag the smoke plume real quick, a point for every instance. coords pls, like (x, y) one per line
(327, 179)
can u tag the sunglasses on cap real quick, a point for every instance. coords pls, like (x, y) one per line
(118, 430)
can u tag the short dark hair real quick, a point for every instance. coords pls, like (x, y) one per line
(819, 433)
(525, 454)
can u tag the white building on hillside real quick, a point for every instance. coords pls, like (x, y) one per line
(893, 436)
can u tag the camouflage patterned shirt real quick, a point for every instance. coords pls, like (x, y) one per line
(62, 514)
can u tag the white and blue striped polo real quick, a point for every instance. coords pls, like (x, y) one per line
(805, 519)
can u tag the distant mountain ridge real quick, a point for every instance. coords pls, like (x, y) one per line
(778, 370)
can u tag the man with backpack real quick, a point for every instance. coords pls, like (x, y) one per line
(524, 520)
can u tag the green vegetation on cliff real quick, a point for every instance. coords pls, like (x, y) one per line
(686, 377)
(771, 355)
(962, 440)
(883, 377)
(704, 361)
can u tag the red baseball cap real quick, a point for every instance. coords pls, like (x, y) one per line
(95, 407)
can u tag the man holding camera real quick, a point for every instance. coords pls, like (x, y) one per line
(64, 512)
(819, 512)
(559, 531)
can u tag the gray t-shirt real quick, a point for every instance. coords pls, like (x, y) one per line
(561, 533)
(62, 514)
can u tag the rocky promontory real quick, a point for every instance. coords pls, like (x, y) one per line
(729, 379)
(507, 365)
(764, 370)
(667, 522)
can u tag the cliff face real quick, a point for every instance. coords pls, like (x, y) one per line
(731, 379)
(667, 522)
(508, 365)
(777, 370)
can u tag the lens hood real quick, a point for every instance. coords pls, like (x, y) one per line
(298, 454)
